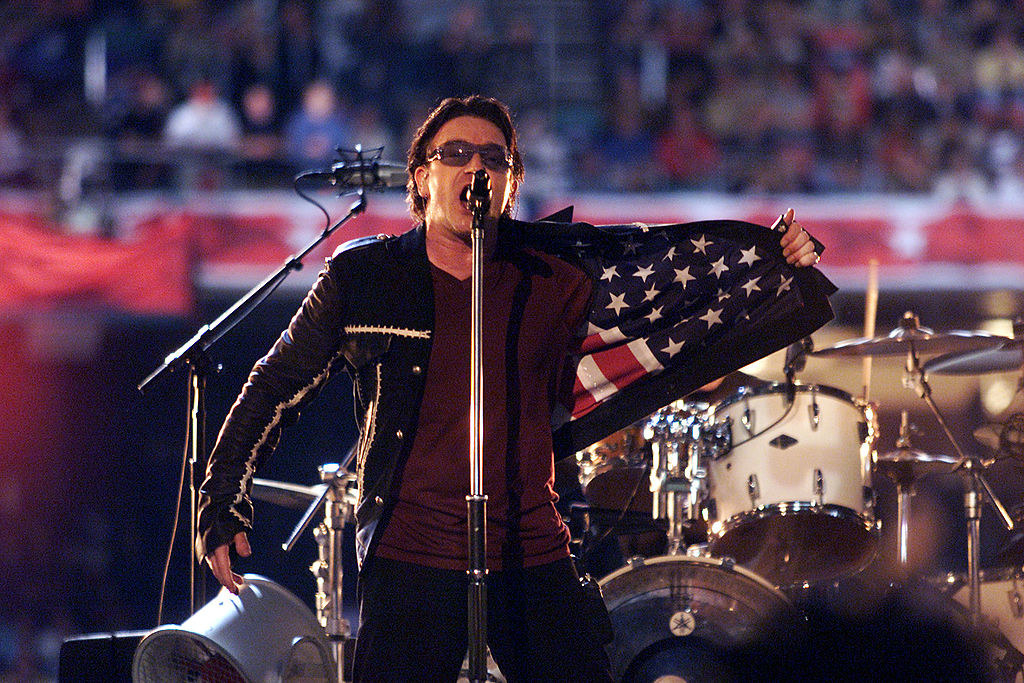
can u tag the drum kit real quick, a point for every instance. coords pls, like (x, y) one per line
(768, 494)
(762, 495)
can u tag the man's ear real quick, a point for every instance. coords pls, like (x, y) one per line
(420, 176)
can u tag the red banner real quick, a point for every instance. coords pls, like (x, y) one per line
(45, 270)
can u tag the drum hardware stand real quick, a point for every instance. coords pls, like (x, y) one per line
(668, 487)
(193, 355)
(977, 485)
(341, 498)
(476, 501)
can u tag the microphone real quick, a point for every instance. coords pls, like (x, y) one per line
(480, 194)
(362, 173)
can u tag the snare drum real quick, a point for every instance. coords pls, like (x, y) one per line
(679, 616)
(791, 499)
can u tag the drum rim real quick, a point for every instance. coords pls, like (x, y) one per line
(796, 507)
(953, 582)
(782, 387)
(726, 563)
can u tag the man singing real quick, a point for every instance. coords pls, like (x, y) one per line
(394, 313)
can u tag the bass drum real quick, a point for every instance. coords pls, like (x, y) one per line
(681, 615)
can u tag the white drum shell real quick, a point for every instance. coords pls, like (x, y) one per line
(829, 429)
(795, 482)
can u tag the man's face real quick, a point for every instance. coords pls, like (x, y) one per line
(444, 187)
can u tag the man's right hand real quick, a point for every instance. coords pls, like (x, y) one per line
(220, 562)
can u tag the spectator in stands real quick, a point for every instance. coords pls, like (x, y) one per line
(136, 114)
(620, 155)
(298, 50)
(261, 145)
(960, 180)
(999, 74)
(206, 127)
(318, 128)
(686, 154)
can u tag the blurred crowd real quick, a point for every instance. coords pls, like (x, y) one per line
(811, 96)
(736, 96)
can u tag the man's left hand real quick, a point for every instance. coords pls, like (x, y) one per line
(797, 246)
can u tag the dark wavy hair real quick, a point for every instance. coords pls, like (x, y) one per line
(450, 108)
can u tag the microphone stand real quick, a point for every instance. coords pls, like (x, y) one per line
(476, 501)
(192, 354)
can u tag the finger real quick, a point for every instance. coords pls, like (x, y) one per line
(220, 565)
(242, 544)
(805, 256)
(794, 239)
(793, 229)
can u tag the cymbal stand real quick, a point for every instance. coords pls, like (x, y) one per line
(341, 497)
(904, 481)
(977, 486)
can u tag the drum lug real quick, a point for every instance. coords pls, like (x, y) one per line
(1016, 604)
(814, 410)
(746, 418)
(819, 485)
(635, 561)
(753, 489)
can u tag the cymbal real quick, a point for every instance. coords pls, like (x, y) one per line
(1004, 358)
(920, 339)
(285, 493)
(905, 465)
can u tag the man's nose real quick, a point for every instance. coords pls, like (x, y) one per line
(475, 162)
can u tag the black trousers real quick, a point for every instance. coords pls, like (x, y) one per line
(412, 624)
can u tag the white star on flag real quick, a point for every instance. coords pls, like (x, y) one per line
(749, 256)
(673, 347)
(723, 295)
(750, 286)
(618, 303)
(719, 267)
(670, 254)
(784, 285)
(655, 314)
(644, 273)
(712, 317)
(683, 276)
(701, 245)
(649, 294)
(609, 273)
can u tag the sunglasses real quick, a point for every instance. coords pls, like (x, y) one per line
(459, 153)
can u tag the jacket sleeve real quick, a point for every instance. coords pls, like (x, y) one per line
(279, 384)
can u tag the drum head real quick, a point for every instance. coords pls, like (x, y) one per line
(789, 545)
(679, 616)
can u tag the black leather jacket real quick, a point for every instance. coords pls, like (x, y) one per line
(371, 311)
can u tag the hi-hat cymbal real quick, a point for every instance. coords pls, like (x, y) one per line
(285, 493)
(1003, 358)
(920, 339)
